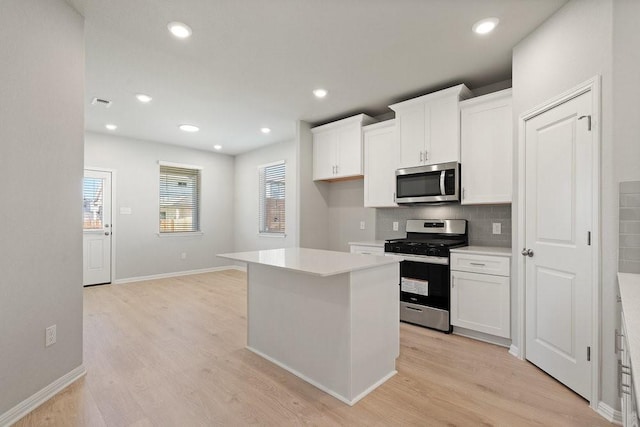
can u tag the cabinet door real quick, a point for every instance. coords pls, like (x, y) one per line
(411, 122)
(324, 154)
(487, 141)
(349, 149)
(481, 302)
(443, 138)
(381, 162)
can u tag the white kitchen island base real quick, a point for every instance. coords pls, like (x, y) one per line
(339, 332)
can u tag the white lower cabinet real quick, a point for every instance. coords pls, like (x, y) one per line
(480, 293)
(625, 381)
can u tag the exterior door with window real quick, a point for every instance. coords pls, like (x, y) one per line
(97, 227)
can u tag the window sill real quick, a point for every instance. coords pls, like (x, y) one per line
(273, 235)
(185, 234)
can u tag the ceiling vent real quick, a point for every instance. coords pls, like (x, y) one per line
(99, 101)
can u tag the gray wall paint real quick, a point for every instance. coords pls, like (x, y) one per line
(313, 214)
(626, 128)
(481, 219)
(247, 192)
(139, 250)
(346, 211)
(571, 47)
(41, 132)
(629, 252)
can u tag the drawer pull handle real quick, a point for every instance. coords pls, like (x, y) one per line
(414, 309)
(481, 264)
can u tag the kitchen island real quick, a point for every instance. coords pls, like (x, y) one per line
(331, 318)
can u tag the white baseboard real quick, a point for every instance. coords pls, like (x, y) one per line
(178, 273)
(320, 386)
(610, 414)
(29, 404)
(514, 351)
(480, 336)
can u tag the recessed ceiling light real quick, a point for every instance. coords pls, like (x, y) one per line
(111, 126)
(265, 130)
(180, 30)
(189, 128)
(320, 93)
(143, 98)
(218, 147)
(485, 26)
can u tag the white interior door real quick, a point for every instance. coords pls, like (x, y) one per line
(97, 227)
(558, 210)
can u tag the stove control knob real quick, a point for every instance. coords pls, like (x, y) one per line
(432, 252)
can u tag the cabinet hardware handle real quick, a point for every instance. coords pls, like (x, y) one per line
(421, 157)
(336, 169)
(616, 341)
(426, 155)
(477, 263)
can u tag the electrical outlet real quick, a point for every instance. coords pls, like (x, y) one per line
(361, 225)
(497, 228)
(183, 255)
(395, 225)
(50, 336)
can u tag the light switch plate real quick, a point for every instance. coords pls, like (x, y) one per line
(395, 225)
(497, 228)
(361, 225)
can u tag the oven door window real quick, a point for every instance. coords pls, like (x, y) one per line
(425, 284)
(418, 185)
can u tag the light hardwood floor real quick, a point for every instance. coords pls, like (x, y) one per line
(171, 353)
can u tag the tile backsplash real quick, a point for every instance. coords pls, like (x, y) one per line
(481, 219)
(629, 242)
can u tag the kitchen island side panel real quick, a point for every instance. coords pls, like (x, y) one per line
(302, 323)
(375, 326)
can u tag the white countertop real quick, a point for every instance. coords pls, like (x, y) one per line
(630, 294)
(376, 243)
(483, 250)
(312, 261)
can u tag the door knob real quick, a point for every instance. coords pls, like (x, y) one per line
(106, 233)
(527, 252)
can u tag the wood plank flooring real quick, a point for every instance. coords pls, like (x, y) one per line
(171, 353)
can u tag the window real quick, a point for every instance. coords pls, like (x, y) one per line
(272, 198)
(92, 203)
(179, 198)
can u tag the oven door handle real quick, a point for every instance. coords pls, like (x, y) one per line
(442, 189)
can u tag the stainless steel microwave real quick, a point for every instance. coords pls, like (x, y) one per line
(428, 184)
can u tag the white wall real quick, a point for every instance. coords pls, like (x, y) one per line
(626, 105)
(247, 193)
(572, 46)
(139, 250)
(41, 132)
(313, 197)
(346, 210)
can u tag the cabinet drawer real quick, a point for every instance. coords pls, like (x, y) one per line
(486, 264)
(367, 250)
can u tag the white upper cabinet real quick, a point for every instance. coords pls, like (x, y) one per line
(337, 148)
(428, 127)
(381, 159)
(487, 147)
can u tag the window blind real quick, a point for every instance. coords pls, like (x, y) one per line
(272, 198)
(179, 199)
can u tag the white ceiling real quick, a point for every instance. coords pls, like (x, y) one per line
(254, 63)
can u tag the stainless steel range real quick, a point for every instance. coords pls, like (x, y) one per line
(424, 273)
